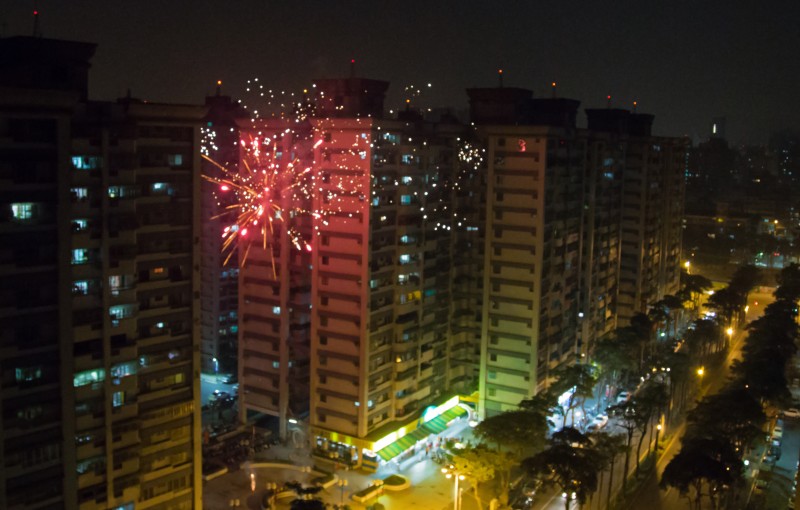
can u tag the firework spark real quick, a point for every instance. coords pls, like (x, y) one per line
(262, 194)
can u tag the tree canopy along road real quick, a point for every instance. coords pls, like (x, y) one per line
(650, 495)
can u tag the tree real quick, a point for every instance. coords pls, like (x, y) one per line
(609, 447)
(692, 287)
(702, 336)
(617, 355)
(733, 413)
(480, 464)
(788, 284)
(744, 279)
(580, 379)
(649, 402)
(725, 303)
(626, 411)
(710, 460)
(516, 431)
(569, 462)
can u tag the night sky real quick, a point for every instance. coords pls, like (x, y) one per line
(686, 62)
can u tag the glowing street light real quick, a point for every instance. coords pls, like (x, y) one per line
(701, 371)
(729, 332)
(450, 472)
(342, 483)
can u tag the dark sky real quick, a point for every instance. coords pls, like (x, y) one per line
(684, 61)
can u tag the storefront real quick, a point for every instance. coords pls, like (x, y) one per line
(402, 442)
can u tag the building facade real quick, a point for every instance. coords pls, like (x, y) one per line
(362, 311)
(576, 242)
(101, 290)
(219, 269)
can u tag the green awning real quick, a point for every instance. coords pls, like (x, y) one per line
(439, 423)
(403, 444)
(433, 426)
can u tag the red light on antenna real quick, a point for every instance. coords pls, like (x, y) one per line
(554, 84)
(499, 71)
(35, 13)
(352, 61)
(608, 97)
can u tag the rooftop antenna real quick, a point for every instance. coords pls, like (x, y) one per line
(634, 106)
(352, 68)
(36, 29)
(219, 87)
(608, 98)
(500, 78)
(555, 90)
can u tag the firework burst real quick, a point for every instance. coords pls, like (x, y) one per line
(264, 195)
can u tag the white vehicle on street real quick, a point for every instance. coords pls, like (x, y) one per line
(599, 421)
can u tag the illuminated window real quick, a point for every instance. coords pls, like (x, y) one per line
(115, 284)
(79, 194)
(85, 162)
(80, 256)
(27, 374)
(80, 288)
(405, 199)
(121, 311)
(175, 159)
(22, 211)
(80, 225)
(125, 369)
(276, 310)
(88, 377)
(158, 270)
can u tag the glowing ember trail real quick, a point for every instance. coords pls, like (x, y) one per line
(264, 196)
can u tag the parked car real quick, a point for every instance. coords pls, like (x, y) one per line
(599, 421)
(623, 396)
(218, 395)
(777, 432)
(792, 413)
(773, 455)
(760, 486)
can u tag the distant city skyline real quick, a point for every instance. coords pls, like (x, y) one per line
(685, 64)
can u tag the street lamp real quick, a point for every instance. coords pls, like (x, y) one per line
(342, 483)
(658, 431)
(216, 365)
(701, 371)
(450, 472)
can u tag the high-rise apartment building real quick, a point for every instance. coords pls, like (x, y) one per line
(652, 211)
(379, 313)
(219, 269)
(558, 268)
(440, 256)
(100, 290)
(275, 283)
